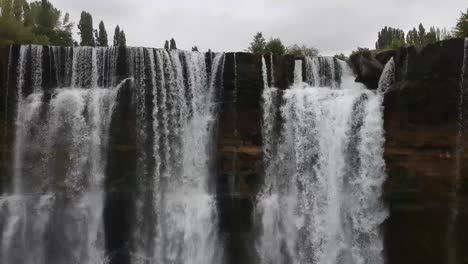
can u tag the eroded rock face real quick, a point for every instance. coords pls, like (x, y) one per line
(421, 124)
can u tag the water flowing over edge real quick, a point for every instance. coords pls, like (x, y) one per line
(321, 216)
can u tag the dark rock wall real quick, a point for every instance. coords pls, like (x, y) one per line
(421, 123)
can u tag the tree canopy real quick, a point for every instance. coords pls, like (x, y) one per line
(85, 27)
(393, 38)
(275, 46)
(119, 37)
(101, 36)
(258, 45)
(36, 23)
(461, 28)
(302, 50)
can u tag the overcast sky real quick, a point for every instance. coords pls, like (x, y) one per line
(229, 25)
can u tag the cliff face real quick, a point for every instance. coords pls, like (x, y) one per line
(421, 114)
(421, 124)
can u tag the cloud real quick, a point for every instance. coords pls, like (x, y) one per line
(228, 25)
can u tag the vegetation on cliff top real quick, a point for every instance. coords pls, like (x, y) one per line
(393, 38)
(275, 46)
(39, 22)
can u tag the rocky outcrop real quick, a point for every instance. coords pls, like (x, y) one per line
(421, 124)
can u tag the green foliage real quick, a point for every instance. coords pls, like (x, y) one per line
(173, 44)
(195, 48)
(258, 45)
(394, 38)
(123, 39)
(420, 38)
(275, 46)
(101, 38)
(119, 37)
(302, 50)
(390, 37)
(85, 26)
(14, 32)
(116, 35)
(7, 8)
(18, 9)
(461, 28)
(341, 56)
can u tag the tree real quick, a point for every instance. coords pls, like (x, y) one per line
(122, 39)
(101, 39)
(195, 48)
(302, 50)
(14, 32)
(27, 16)
(461, 28)
(166, 44)
(85, 26)
(258, 45)
(275, 46)
(390, 37)
(116, 35)
(173, 44)
(119, 37)
(18, 9)
(341, 56)
(7, 8)
(420, 37)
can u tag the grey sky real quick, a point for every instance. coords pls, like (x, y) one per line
(228, 25)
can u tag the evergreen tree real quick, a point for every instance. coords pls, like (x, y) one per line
(422, 35)
(117, 36)
(27, 16)
(7, 8)
(302, 50)
(166, 44)
(101, 39)
(461, 28)
(85, 27)
(258, 45)
(173, 44)
(122, 39)
(390, 37)
(195, 48)
(18, 9)
(275, 46)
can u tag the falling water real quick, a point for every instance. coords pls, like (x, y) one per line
(178, 223)
(323, 72)
(298, 72)
(272, 68)
(53, 214)
(321, 199)
(452, 254)
(387, 79)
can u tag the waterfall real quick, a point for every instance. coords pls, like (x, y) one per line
(298, 72)
(323, 72)
(387, 79)
(176, 218)
(324, 171)
(272, 70)
(452, 254)
(54, 213)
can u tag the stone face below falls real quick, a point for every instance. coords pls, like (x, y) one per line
(421, 115)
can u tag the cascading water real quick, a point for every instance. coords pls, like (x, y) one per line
(324, 170)
(176, 210)
(323, 72)
(54, 212)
